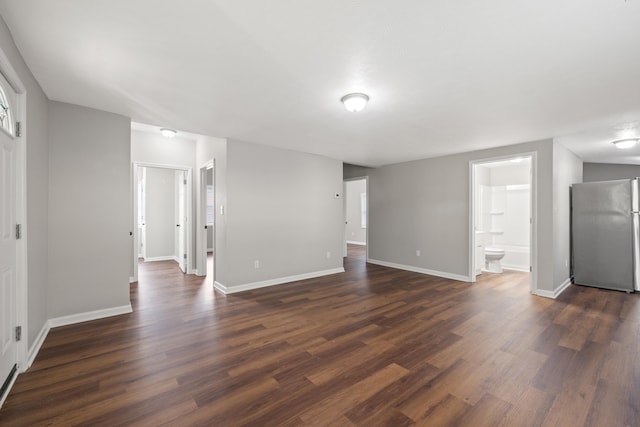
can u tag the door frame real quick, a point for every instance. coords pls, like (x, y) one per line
(134, 190)
(533, 214)
(180, 236)
(21, 300)
(201, 237)
(344, 192)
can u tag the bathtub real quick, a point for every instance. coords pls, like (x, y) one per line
(515, 257)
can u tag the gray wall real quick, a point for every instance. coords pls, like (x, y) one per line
(160, 206)
(424, 205)
(609, 172)
(567, 170)
(281, 210)
(89, 210)
(354, 171)
(36, 139)
(355, 232)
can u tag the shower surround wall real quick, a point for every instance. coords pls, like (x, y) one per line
(505, 209)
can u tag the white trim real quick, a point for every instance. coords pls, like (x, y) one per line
(443, 274)
(161, 258)
(6, 394)
(515, 268)
(533, 228)
(188, 212)
(353, 242)
(555, 293)
(90, 315)
(344, 209)
(279, 281)
(35, 348)
(21, 301)
(201, 217)
(132, 279)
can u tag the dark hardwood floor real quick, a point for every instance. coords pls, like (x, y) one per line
(371, 347)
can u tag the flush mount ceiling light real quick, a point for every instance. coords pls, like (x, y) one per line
(168, 133)
(626, 143)
(355, 101)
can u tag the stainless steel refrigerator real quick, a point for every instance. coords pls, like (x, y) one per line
(605, 234)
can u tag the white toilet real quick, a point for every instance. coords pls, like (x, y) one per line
(492, 257)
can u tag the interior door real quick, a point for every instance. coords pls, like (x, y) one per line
(8, 250)
(182, 220)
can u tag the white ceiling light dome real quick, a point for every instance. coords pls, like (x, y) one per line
(168, 133)
(355, 102)
(626, 143)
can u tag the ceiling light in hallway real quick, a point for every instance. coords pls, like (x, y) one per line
(168, 133)
(355, 101)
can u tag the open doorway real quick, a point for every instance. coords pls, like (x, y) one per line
(356, 218)
(206, 222)
(162, 213)
(503, 217)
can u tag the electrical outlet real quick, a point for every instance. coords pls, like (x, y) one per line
(328, 254)
(256, 264)
(566, 262)
(418, 252)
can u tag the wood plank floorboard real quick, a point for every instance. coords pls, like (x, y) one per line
(372, 346)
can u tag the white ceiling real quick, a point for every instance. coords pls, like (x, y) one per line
(443, 76)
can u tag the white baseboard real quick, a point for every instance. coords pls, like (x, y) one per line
(132, 280)
(353, 242)
(555, 293)
(263, 284)
(90, 315)
(442, 274)
(35, 348)
(161, 258)
(6, 394)
(70, 320)
(515, 268)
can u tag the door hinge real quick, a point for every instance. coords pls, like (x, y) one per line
(18, 129)
(18, 231)
(185, 256)
(18, 333)
(185, 182)
(530, 269)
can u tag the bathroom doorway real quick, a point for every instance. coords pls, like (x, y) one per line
(503, 216)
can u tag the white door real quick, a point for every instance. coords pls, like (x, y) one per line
(142, 213)
(8, 244)
(182, 220)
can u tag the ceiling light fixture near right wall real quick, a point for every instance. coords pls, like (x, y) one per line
(626, 143)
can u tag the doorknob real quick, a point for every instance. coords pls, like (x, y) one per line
(177, 225)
